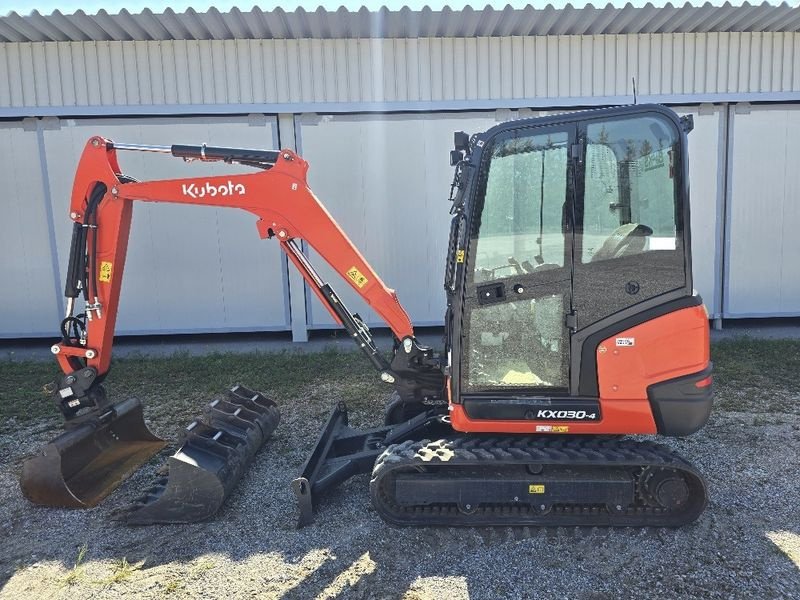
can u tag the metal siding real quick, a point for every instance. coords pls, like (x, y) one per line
(763, 267)
(705, 201)
(189, 269)
(362, 71)
(30, 300)
(403, 23)
(387, 187)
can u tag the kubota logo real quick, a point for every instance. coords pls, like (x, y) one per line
(202, 190)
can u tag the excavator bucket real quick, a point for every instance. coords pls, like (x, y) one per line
(217, 449)
(87, 462)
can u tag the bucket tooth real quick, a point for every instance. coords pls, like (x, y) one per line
(88, 461)
(217, 449)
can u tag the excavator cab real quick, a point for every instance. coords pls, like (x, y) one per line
(573, 232)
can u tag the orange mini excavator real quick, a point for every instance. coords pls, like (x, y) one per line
(570, 322)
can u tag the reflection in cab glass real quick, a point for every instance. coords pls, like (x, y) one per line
(629, 236)
(629, 204)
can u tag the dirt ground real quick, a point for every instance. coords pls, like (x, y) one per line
(747, 543)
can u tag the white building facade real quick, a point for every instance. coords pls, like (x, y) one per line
(371, 100)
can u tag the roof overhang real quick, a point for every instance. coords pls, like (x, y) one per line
(213, 24)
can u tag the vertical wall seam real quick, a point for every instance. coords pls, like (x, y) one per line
(51, 225)
(722, 202)
(726, 212)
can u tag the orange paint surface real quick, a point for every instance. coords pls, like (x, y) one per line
(666, 347)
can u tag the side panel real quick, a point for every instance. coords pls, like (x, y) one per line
(664, 348)
(706, 167)
(30, 300)
(385, 179)
(763, 270)
(190, 268)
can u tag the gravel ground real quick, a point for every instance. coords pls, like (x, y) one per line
(747, 544)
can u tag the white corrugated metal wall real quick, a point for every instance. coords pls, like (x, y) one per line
(202, 277)
(307, 74)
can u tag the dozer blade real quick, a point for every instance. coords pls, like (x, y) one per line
(217, 449)
(87, 462)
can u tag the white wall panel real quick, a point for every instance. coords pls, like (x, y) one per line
(363, 71)
(386, 180)
(189, 269)
(763, 246)
(706, 163)
(30, 302)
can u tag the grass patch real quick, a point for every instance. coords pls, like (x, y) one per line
(76, 574)
(756, 375)
(202, 566)
(750, 375)
(173, 586)
(177, 387)
(121, 571)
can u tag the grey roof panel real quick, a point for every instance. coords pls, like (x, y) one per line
(403, 23)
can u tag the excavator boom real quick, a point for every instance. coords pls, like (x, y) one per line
(106, 441)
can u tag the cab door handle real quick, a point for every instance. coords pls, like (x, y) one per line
(494, 292)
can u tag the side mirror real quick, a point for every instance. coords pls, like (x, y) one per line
(456, 156)
(461, 141)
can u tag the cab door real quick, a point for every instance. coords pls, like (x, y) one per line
(518, 279)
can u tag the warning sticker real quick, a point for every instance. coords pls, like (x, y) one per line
(536, 488)
(357, 277)
(105, 271)
(552, 428)
(460, 256)
(626, 341)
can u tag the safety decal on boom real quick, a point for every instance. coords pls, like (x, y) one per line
(536, 488)
(357, 277)
(105, 271)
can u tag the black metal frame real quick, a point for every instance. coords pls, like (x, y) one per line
(342, 452)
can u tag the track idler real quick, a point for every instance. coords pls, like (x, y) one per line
(217, 449)
(88, 461)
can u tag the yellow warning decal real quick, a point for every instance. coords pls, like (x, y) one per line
(460, 256)
(536, 488)
(357, 277)
(105, 271)
(560, 428)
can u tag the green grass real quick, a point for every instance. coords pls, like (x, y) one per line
(76, 574)
(178, 386)
(750, 375)
(121, 571)
(757, 375)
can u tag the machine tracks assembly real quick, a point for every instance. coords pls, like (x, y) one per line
(518, 481)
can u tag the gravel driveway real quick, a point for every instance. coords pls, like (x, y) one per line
(747, 544)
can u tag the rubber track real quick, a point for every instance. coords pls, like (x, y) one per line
(492, 452)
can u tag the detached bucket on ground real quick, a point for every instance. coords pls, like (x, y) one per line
(217, 449)
(88, 461)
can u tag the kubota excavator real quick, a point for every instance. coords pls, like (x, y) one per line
(571, 321)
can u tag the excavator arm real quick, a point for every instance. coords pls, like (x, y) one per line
(287, 209)
(104, 440)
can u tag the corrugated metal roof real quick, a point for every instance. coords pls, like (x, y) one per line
(403, 23)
